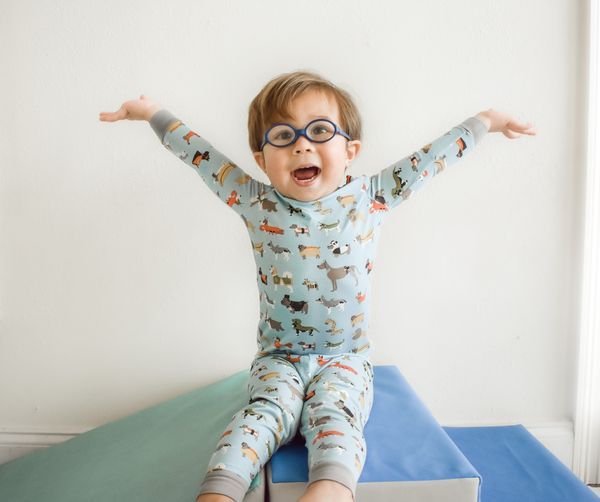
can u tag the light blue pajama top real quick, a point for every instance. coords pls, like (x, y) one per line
(314, 259)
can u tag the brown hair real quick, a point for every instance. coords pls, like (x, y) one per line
(273, 101)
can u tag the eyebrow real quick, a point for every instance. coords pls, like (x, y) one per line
(310, 118)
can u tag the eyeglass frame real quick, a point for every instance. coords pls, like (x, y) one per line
(302, 132)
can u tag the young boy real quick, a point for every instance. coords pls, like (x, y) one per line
(313, 231)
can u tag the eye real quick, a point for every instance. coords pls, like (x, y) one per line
(321, 129)
(283, 135)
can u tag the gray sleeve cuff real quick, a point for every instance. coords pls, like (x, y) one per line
(160, 122)
(477, 128)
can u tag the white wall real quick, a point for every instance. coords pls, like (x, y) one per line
(126, 282)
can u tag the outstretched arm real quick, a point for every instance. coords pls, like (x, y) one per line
(228, 181)
(398, 181)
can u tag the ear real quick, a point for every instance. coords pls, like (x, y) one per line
(352, 150)
(260, 160)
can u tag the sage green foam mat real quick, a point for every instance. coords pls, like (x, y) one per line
(158, 454)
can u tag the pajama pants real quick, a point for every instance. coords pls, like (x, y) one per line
(327, 399)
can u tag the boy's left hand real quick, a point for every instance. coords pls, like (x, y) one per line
(504, 123)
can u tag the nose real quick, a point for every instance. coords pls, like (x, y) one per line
(303, 144)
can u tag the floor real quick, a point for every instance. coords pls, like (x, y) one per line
(596, 491)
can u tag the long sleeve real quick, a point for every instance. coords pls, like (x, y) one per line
(228, 181)
(397, 182)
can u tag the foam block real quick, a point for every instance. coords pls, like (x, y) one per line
(410, 458)
(515, 466)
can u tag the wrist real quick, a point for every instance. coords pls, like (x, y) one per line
(484, 117)
(151, 111)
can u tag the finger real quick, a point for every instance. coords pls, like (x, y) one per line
(529, 130)
(513, 124)
(120, 114)
(108, 116)
(510, 134)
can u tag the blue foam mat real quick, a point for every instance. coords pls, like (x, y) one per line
(516, 467)
(405, 442)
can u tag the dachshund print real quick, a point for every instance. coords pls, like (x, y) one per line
(272, 374)
(299, 328)
(329, 227)
(221, 175)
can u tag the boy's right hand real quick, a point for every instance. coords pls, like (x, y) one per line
(136, 109)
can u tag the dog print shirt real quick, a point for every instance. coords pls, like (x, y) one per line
(314, 259)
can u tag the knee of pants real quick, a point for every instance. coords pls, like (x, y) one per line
(280, 419)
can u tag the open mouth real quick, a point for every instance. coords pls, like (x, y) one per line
(305, 175)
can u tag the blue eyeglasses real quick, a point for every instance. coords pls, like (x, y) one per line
(317, 131)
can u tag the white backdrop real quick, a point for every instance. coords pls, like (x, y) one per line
(126, 282)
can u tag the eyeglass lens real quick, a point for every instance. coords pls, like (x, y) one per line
(318, 131)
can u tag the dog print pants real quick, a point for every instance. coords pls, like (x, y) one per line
(327, 399)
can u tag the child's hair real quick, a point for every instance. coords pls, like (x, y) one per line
(272, 104)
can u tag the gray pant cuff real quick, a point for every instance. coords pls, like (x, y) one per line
(224, 483)
(336, 472)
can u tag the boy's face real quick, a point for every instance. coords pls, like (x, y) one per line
(331, 157)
